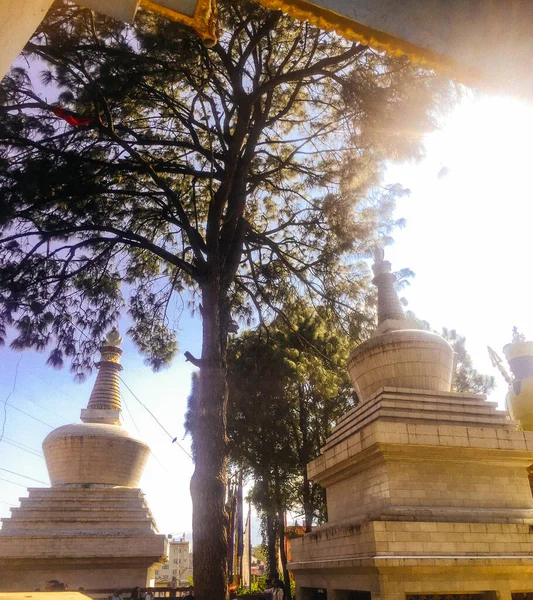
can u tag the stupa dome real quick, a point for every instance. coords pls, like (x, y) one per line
(519, 399)
(398, 355)
(98, 451)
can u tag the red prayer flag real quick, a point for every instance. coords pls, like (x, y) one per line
(72, 118)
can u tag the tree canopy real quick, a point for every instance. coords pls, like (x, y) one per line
(245, 135)
(139, 169)
(466, 377)
(288, 384)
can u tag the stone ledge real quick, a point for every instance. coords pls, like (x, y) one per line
(393, 404)
(415, 561)
(76, 546)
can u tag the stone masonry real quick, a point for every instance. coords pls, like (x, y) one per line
(428, 492)
(420, 487)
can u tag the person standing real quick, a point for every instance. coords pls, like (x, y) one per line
(277, 590)
(190, 594)
(135, 593)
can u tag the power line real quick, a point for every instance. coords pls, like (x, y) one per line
(52, 386)
(45, 408)
(25, 476)
(151, 451)
(129, 412)
(174, 439)
(13, 482)
(23, 445)
(9, 396)
(8, 503)
(15, 445)
(161, 464)
(145, 407)
(28, 415)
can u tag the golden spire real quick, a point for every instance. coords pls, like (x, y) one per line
(106, 391)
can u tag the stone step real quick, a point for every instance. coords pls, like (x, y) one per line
(103, 492)
(52, 512)
(427, 405)
(87, 503)
(412, 411)
(429, 399)
(73, 534)
(84, 523)
(406, 408)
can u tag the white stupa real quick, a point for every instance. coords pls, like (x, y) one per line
(92, 528)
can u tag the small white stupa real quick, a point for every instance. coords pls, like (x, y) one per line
(92, 528)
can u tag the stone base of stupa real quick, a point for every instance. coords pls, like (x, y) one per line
(428, 494)
(85, 536)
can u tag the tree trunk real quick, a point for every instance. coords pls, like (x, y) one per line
(283, 555)
(208, 482)
(304, 454)
(271, 531)
(307, 502)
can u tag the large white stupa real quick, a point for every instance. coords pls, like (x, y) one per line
(92, 528)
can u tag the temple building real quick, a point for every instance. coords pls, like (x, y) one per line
(428, 492)
(92, 528)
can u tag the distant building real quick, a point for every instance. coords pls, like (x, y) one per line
(177, 571)
(291, 532)
(258, 567)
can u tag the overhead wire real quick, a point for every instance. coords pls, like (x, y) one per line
(160, 463)
(45, 408)
(13, 482)
(24, 476)
(23, 445)
(173, 439)
(9, 396)
(135, 425)
(15, 445)
(50, 385)
(28, 415)
(123, 400)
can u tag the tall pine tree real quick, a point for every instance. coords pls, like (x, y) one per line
(288, 384)
(238, 176)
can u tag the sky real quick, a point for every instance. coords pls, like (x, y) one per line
(468, 239)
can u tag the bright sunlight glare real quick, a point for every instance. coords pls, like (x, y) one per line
(469, 226)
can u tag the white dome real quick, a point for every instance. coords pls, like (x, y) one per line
(406, 358)
(94, 453)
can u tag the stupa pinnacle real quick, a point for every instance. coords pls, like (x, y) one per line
(104, 403)
(389, 305)
(398, 354)
(98, 451)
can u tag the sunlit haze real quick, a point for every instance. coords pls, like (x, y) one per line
(468, 239)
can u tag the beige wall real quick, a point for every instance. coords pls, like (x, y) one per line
(385, 583)
(25, 579)
(429, 483)
(18, 20)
